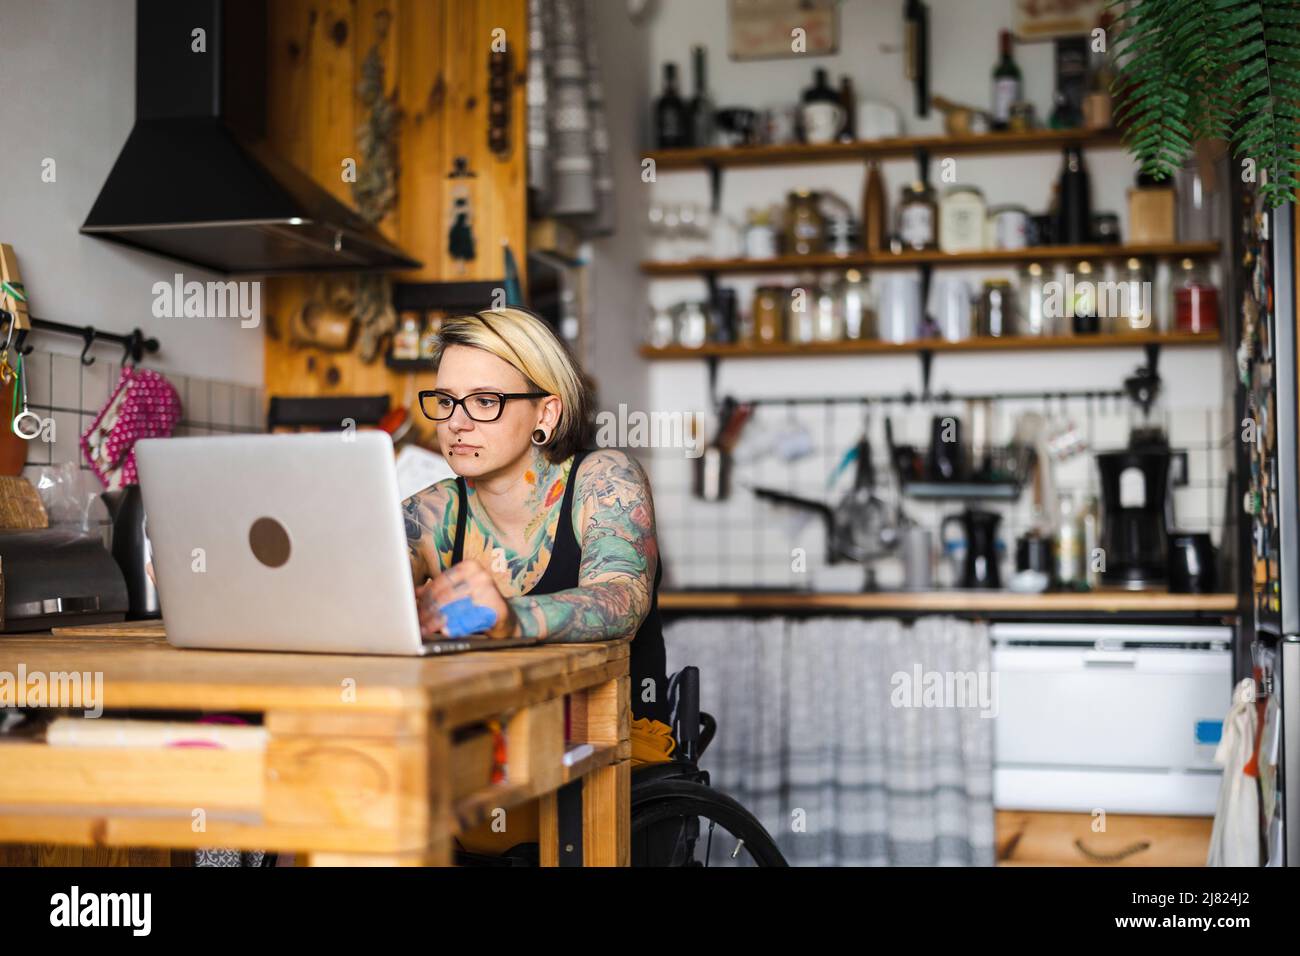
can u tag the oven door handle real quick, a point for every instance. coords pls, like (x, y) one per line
(1110, 658)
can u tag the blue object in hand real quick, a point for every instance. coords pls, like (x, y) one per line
(464, 617)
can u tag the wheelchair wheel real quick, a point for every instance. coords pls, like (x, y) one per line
(678, 823)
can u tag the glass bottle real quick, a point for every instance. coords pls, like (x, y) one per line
(918, 216)
(1006, 82)
(1196, 299)
(672, 121)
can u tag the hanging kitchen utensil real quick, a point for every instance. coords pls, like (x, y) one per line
(859, 528)
(25, 423)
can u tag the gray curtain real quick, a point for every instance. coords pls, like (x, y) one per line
(823, 736)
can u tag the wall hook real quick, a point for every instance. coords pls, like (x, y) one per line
(88, 335)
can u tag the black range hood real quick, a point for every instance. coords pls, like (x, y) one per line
(195, 181)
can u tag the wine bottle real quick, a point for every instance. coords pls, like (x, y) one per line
(848, 100)
(1006, 83)
(701, 108)
(672, 124)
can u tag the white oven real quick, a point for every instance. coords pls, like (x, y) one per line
(1121, 718)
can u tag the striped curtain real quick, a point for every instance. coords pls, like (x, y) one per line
(856, 742)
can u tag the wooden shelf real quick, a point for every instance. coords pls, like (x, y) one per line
(1048, 140)
(946, 601)
(906, 260)
(1023, 343)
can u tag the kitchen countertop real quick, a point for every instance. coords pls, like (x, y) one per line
(948, 602)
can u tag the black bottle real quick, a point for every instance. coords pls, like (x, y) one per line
(821, 90)
(1074, 201)
(701, 106)
(672, 119)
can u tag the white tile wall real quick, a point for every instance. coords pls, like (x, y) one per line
(745, 542)
(60, 387)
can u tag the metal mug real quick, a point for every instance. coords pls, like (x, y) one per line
(917, 549)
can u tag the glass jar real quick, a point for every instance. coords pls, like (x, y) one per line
(1196, 299)
(801, 310)
(662, 331)
(828, 320)
(917, 218)
(997, 310)
(805, 226)
(961, 220)
(1035, 312)
(769, 314)
(759, 240)
(853, 294)
(1083, 300)
(692, 325)
(1198, 202)
(1134, 285)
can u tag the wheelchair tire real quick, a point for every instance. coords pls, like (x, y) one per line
(678, 799)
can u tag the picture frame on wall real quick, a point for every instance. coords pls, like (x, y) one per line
(1050, 19)
(764, 29)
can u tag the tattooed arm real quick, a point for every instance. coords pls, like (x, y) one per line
(431, 528)
(616, 533)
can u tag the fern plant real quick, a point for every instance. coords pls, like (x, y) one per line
(1211, 69)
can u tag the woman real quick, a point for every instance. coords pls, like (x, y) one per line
(559, 542)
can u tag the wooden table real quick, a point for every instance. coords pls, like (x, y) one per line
(367, 760)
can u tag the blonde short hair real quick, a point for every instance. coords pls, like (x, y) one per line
(525, 342)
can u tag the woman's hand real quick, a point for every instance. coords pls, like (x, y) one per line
(469, 579)
(426, 605)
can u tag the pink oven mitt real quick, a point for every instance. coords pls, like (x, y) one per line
(143, 405)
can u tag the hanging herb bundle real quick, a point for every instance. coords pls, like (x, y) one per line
(1211, 69)
(375, 188)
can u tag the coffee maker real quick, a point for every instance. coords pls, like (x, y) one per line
(1134, 537)
(1134, 496)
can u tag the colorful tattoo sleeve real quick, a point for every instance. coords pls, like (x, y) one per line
(614, 514)
(431, 528)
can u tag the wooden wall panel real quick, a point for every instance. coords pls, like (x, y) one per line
(436, 56)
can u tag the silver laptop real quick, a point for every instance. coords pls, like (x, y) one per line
(284, 543)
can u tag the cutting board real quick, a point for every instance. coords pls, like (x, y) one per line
(13, 450)
(119, 629)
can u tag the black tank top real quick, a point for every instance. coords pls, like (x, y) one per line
(648, 659)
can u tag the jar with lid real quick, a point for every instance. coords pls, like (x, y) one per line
(853, 295)
(692, 324)
(1134, 284)
(918, 217)
(759, 239)
(828, 320)
(1035, 310)
(805, 226)
(997, 309)
(801, 311)
(662, 331)
(769, 314)
(1082, 292)
(961, 220)
(1196, 299)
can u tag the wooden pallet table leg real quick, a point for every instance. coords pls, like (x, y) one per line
(607, 815)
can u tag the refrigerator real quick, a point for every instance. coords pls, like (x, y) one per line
(1263, 331)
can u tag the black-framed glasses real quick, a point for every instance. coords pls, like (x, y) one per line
(479, 406)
